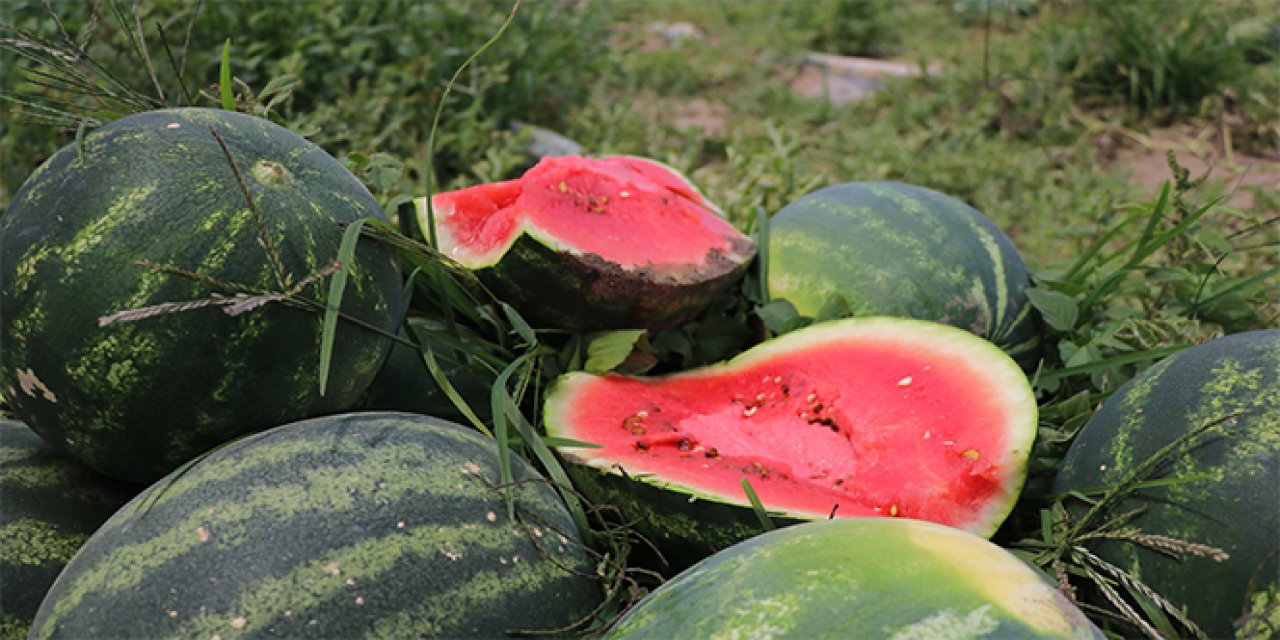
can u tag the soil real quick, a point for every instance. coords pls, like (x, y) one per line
(1146, 158)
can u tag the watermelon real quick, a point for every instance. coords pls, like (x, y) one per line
(885, 248)
(591, 244)
(858, 417)
(404, 383)
(375, 524)
(1229, 498)
(49, 505)
(135, 399)
(858, 578)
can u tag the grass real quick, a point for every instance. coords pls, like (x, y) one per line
(1011, 124)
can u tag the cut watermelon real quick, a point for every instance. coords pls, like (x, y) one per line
(857, 417)
(579, 243)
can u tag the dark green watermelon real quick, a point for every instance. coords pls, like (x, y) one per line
(1235, 506)
(374, 524)
(49, 505)
(405, 383)
(887, 248)
(136, 399)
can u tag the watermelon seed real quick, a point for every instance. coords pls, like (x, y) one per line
(750, 411)
(905, 382)
(786, 391)
(893, 510)
(632, 425)
(564, 188)
(811, 397)
(624, 194)
(712, 453)
(972, 454)
(642, 445)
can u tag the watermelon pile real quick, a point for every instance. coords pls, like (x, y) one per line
(200, 452)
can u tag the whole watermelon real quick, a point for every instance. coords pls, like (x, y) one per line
(1230, 494)
(49, 505)
(135, 399)
(887, 248)
(376, 524)
(897, 579)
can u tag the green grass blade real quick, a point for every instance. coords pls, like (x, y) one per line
(1115, 361)
(333, 303)
(442, 380)
(435, 121)
(224, 78)
(765, 522)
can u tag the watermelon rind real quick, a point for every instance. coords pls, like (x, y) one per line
(858, 578)
(366, 524)
(895, 249)
(687, 523)
(49, 506)
(1221, 490)
(137, 398)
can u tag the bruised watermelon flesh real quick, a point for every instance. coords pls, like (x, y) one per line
(856, 417)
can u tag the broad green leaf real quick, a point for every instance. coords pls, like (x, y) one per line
(1058, 310)
(607, 350)
(776, 313)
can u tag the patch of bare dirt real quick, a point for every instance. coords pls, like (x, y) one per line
(1145, 157)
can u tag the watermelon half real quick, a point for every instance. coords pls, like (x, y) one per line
(584, 244)
(855, 417)
(858, 578)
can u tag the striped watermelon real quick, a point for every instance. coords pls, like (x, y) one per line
(585, 244)
(858, 578)
(858, 417)
(405, 383)
(49, 506)
(371, 524)
(1234, 506)
(902, 250)
(136, 399)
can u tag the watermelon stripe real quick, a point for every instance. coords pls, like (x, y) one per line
(34, 542)
(349, 576)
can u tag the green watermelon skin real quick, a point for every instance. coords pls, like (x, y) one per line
(136, 399)
(49, 505)
(858, 578)
(902, 250)
(404, 383)
(374, 524)
(1236, 510)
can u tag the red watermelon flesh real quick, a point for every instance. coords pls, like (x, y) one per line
(631, 211)
(861, 417)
